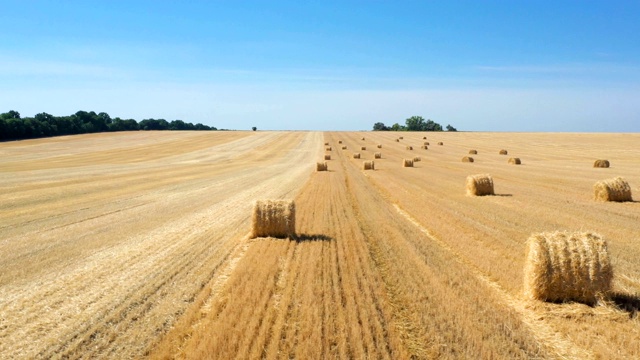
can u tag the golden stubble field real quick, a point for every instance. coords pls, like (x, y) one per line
(130, 245)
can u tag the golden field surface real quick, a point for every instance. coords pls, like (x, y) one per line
(136, 244)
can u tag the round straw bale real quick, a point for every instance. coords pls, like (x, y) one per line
(563, 266)
(417, 158)
(409, 147)
(479, 185)
(397, 140)
(321, 166)
(328, 148)
(468, 159)
(368, 165)
(363, 148)
(344, 147)
(424, 138)
(473, 152)
(362, 138)
(425, 143)
(379, 146)
(274, 218)
(326, 143)
(356, 155)
(400, 137)
(616, 189)
(515, 161)
(503, 152)
(440, 143)
(339, 141)
(327, 157)
(407, 162)
(425, 147)
(377, 155)
(601, 164)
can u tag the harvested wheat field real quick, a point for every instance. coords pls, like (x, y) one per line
(134, 245)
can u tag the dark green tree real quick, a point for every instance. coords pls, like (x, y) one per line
(379, 127)
(451, 128)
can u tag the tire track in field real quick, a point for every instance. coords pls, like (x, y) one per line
(545, 333)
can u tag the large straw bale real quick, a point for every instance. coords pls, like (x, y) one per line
(473, 152)
(479, 185)
(616, 189)
(503, 152)
(468, 159)
(356, 155)
(515, 161)
(563, 266)
(274, 218)
(377, 155)
(368, 165)
(327, 157)
(321, 166)
(407, 162)
(601, 164)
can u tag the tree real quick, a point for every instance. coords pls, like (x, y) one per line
(398, 127)
(415, 123)
(254, 128)
(451, 128)
(380, 127)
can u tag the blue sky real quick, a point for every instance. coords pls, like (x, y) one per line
(328, 65)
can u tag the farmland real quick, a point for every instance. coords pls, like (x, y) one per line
(129, 245)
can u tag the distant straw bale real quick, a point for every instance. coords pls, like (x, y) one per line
(417, 158)
(344, 147)
(328, 148)
(601, 164)
(563, 266)
(274, 218)
(356, 155)
(515, 161)
(368, 165)
(321, 166)
(377, 155)
(400, 137)
(327, 157)
(407, 163)
(440, 143)
(363, 148)
(397, 140)
(424, 138)
(326, 143)
(468, 159)
(424, 147)
(409, 147)
(426, 143)
(473, 152)
(339, 141)
(479, 185)
(379, 146)
(503, 152)
(363, 138)
(616, 189)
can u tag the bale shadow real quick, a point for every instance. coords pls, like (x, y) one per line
(627, 303)
(504, 195)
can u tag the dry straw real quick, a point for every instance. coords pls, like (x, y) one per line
(377, 155)
(379, 146)
(479, 185)
(363, 148)
(563, 266)
(468, 159)
(321, 166)
(503, 152)
(368, 165)
(417, 158)
(274, 218)
(409, 147)
(407, 163)
(601, 164)
(473, 152)
(327, 157)
(440, 143)
(356, 155)
(515, 161)
(616, 189)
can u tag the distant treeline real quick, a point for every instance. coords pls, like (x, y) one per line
(14, 127)
(414, 123)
